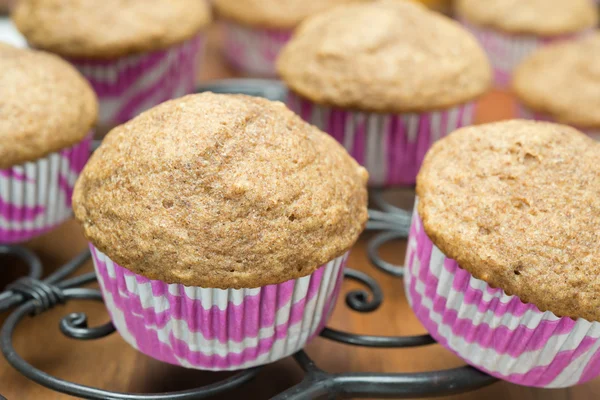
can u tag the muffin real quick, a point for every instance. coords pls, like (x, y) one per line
(256, 30)
(510, 30)
(47, 111)
(219, 227)
(136, 54)
(503, 254)
(562, 83)
(386, 79)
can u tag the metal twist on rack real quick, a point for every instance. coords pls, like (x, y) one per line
(31, 295)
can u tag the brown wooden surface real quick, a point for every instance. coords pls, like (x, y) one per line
(112, 364)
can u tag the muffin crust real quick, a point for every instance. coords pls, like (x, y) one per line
(221, 191)
(109, 28)
(386, 56)
(517, 204)
(45, 105)
(275, 14)
(563, 81)
(535, 17)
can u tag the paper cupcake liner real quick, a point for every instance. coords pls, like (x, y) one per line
(36, 196)
(214, 329)
(254, 50)
(129, 85)
(525, 112)
(507, 51)
(391, 147)
(492, 331)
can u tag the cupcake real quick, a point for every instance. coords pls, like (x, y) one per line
(386, 79)
(47, 110)
(503, 256)
(256, 30)
(136, 54)
(219, 228)
(562, 83)
(510, 30)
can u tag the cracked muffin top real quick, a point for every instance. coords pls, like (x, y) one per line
(385, 56)
(517, 204)
(221, 191)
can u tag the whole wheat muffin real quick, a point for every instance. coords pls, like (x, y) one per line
(387, 56)
(109, 28)
(535, 17)
(276, 14)
(562, 81)
(45, 105)
(504, 250)
(221, 191)
(517, 205)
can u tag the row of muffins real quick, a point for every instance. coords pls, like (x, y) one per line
(149, 52)
(219, 225)
(209, 193)
(225, 179)
(333, 68)
(141, 64)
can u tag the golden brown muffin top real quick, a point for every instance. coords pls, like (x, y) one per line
(221, 191)
(563, 81)
(276, 14)
(386, 56)
(106, 29)
(45, 105)
(517, 204)
(536, 17)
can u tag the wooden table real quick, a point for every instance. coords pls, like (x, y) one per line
(112, 364)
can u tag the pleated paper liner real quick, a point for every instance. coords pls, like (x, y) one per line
(214, 329)
(129, 85)
(390, 146)
(507, 51)
(35, 197)
(492, 331)
(254, 50)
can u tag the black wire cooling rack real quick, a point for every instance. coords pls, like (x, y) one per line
(31, 295)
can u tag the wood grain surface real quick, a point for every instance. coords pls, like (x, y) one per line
(111, 364)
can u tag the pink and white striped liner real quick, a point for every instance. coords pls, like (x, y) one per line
(527, 113)
(493, 331)
(36, 196)
(129, 85)
(391, 147)
(507, 51)
(254, 50)
(214, 329)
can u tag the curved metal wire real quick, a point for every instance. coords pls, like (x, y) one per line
(376, 196)
(74, 389)
(361, 300)
(8, 298)
(31, 286)
(373, 253)
(318, 383)
(376, 341)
